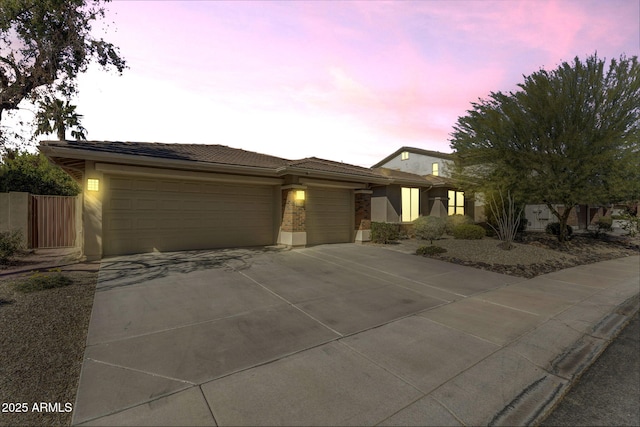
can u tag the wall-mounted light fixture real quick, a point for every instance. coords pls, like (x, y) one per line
(299, 197)
(93, 184)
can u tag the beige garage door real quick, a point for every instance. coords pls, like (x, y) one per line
(329, 216)
(143, 215)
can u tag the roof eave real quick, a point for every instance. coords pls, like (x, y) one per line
(292, 170)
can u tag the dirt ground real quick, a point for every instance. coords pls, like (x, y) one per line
(42, 338)
(534, 253)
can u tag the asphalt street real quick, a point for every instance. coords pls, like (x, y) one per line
(608, 393)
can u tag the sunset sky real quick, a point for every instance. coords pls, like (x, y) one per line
(346, 81)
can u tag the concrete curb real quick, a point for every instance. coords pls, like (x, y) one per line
(539, 399)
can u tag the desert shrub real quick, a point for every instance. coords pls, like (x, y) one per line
(384, 232)
(430, 250)
(406, 231)
(602, 226)
(429, 227)
(500, 210)
(454, 220)
(488, 229)
(39, 282)
(10, 245)
(468, 232)
(554, 228)
(630, 224)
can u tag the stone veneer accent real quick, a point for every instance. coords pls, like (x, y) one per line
(293, 216)
(363, 209)
(363, 215)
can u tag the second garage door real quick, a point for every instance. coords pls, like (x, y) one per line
(329, 215)
(143, 215)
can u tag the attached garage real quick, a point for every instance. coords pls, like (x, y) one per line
(329, 215)
(153, 214)
(143, 197)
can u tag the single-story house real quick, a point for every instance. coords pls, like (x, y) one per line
(143, 197)
(421, 186)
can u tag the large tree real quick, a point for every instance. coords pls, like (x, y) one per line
(46, 44)
(568, 136)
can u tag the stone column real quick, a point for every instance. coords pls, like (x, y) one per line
(293, 231)
(363, 215)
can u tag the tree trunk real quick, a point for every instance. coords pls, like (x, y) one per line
(562, 219)
(61, 132)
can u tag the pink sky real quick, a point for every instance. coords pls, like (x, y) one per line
(346, 81)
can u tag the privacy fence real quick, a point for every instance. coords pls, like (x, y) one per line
(45, 221)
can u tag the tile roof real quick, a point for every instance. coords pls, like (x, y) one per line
(323, 165)
(219, 154)
(214, 154)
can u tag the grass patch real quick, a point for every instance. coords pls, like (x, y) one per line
(39, 282)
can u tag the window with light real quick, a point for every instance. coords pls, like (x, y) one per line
(456, 203)
(404, 155)
(410, 204)
(434, 169)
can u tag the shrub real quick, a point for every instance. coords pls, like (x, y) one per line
(406, 231)
(488, 230)
(10, 245)
(454, 220)
(468, 232)
(554, 228)
(430, 250)
(384, 232)
(39, 282)
(602, 225)
(429, 227)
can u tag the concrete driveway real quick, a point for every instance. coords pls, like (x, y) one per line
(336, 335)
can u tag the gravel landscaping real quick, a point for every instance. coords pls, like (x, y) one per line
(534, 254)
(42, 340)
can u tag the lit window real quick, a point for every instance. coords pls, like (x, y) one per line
(93, 184)
(456, 203)
(434, 169)
(404, 155)
(410, 204)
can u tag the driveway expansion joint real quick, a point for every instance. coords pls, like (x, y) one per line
(536, 388)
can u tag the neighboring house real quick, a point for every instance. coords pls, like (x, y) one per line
(581, 217)
(143, 197)
(421, 186)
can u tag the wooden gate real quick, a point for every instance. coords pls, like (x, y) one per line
(53, 221)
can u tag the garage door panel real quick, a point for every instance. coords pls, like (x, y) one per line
(138, 218)
(329, 216)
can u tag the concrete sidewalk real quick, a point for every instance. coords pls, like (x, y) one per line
(340, 335)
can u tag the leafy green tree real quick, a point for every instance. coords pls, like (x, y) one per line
(56, 115)
(33, 173)
(46, 44)
(568, 136)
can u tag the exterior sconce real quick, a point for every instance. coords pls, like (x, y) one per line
(93, 184)
(299, 197)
